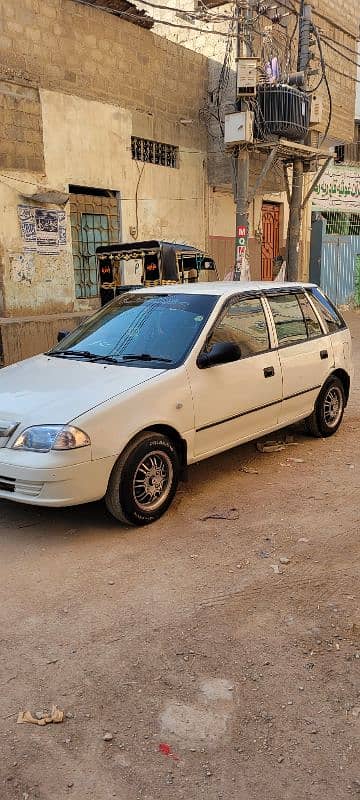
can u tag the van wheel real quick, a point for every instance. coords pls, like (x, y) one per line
(144, 480)
(329, 410)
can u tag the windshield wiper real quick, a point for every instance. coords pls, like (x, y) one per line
(86, 354)
(145, 357)
(82, 353)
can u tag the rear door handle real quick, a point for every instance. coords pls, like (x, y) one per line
(324, 354)
(269, 372)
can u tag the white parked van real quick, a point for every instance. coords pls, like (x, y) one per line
(161, 378)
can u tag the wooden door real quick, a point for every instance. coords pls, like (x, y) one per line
(270, 217)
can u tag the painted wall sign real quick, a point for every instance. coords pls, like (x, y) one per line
(339, 188)
(42, 230)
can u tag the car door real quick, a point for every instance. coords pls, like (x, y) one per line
(236, 401)
(306, 355)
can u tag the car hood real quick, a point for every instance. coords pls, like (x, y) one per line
(48, 390)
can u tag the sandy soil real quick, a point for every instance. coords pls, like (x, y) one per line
(191, 633)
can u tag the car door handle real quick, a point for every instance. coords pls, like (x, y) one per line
(269, 372)
(324, 354)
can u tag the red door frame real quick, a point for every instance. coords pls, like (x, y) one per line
(270, 244)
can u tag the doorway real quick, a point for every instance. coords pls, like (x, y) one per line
(270, 243)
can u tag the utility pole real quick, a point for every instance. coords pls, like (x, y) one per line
(243, 48)
(294, 229)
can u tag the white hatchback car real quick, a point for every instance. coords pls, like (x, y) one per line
(161, 378)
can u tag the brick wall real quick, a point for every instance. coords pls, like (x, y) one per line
(66, 46)
(21, 145)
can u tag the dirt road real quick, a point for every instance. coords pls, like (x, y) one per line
(236, 642)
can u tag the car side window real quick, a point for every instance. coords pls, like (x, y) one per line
(289, 320)
(311, 321)
(243, 323)
(329, 314)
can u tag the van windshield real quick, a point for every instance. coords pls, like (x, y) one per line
(145, 329)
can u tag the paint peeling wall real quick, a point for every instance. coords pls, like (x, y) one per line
(32, 283)
(88, 143)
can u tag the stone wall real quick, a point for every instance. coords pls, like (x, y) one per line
(21, 145)
(81, 82)
(81, 50)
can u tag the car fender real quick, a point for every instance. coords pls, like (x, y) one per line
(164, 401)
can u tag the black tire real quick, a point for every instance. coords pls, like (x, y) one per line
(329, 410)
(135, 494)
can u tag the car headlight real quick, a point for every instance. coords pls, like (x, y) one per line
(43, 438)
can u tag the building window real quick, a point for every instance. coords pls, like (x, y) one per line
(165, 155)
(94, 221)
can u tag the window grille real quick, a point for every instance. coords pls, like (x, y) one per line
(150, 152)
(94, 221)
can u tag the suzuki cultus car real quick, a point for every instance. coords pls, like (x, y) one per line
(163, 377)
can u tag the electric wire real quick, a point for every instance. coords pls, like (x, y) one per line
(346, 58)
(343, 46)
(340, 72)
(323, 68)
(210, 16)
(132, 18)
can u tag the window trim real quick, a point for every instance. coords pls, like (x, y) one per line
(256, 295)
(343, 326)
(321, 320)
(291, 344)
(320, 335)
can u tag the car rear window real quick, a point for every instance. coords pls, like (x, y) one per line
(328, 313)
(289, 319)
(311, 321)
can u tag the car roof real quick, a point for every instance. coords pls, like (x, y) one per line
(223, 288)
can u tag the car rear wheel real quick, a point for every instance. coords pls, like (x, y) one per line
(144, 480)
(329, 409)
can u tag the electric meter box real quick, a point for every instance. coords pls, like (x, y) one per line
(316, 110)
(238, 128)
(246, 70)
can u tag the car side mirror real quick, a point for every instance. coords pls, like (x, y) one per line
(220, 353)
(61, 335)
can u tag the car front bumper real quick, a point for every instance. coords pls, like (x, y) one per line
(57, 486)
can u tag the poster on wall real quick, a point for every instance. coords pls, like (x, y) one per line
(42, 230)
(27, 224)
(47, 231)
(62, 228)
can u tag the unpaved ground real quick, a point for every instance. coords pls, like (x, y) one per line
(183, 634)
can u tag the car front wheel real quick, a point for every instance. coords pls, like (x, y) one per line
(329, 409)
(144, 480)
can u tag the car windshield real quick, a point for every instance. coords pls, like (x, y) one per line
(146, 329)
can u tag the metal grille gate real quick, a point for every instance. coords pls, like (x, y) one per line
(339, 259)
(94, 221)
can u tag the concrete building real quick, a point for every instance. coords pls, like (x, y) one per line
(339, 27)
(109, 130)
(335, 229)
(82, 93)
